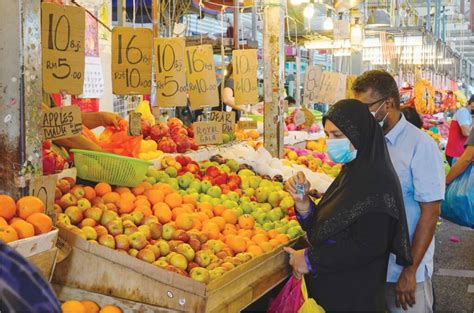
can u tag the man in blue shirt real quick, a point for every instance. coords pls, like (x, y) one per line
(419, 166)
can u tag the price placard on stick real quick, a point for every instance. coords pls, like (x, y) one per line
(62, 48)
(44, 187)
(312, 84)
(201, 77)
(131, 60)
(134, 124)
(62, 122)
(170, 72)
(207, 133)
(244, 63)
(226, 118)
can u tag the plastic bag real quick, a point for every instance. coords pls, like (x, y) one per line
(309, 305)
(289, 299)
(117, 141)
(458, 206)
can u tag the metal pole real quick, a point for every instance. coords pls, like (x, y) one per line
(428, 15)
(298, 76)
(236, 24)
(121, 12)
(254, 22)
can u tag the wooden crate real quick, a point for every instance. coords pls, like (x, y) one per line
(98, 269)
(45, 261)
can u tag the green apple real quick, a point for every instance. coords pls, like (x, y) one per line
(173, 182)
(151, 180)
(229, 204)
(293, 223)
(171, 171)
(225, 168)
(205, 198)
(255, 181)
(196, 185)
(266, 206)
(246, 172)
(244, 199)
(260, 217)
(283, 229)
(277, 185)
(245, 182)
(205, 186)
(214, 191)
(261, 194)
(153, 172)
(224, 198)
(268, 226)
(184, 181)
(287, 203)
(266, 183)
(233, 165)
(249, 192)
(190, 190)
(238, 211)
(247, 207)
(234, 196)
(274, 199)
(215, 201)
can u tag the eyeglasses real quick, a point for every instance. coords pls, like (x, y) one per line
(375, 102)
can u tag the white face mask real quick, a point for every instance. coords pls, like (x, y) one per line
(382, 122)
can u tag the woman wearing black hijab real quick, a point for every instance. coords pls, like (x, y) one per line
(359, 221)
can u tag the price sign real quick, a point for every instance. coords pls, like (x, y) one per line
(62, 48)
(44, 188)
(349, 82)
(131, 60)
(312, 84)
(62, 122)
(134, 124)
(245, 76)
(299, 118)
(227, 119)
(201, 77)
(247, 125)
(207, 133)
(170, 72)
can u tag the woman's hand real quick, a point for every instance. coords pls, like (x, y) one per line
(96, 119)
(110, 119)
(297, 262)
(302, 201)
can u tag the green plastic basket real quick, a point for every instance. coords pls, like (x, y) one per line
(110, 168)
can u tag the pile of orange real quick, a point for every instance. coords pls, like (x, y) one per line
(249, 134)
(22, 219)
(73, 306)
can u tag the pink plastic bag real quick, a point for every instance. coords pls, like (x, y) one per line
(289, 299)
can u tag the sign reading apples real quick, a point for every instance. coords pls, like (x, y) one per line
(131, 60)
(207, 133)
(62, 48)
(62, 122)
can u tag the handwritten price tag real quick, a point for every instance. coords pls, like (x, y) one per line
(131, 60)
(227, 119)
(134, 124)
(170, 72)
(62, 47)
(62, 122)
(44, 188)
(245, 76)
(207, 133)
(201, 77)
(312, 84)
(247, 125)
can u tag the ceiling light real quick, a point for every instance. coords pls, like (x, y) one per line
(328, 22)
(356, 34)
(308, 11)
(296, 2)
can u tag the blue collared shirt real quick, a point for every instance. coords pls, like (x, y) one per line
(417, 161)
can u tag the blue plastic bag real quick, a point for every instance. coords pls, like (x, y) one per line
(458, 206)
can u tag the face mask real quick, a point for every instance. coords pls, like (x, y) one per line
(382, 122)
(339, 150)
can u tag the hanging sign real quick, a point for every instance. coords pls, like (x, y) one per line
(170, 72)
(333, 88)
(201, 77)
(62, 48)
(244, 64)
(131, 60)
(226, 118)
(207, 133)
(134, 124)
(312, 84)
(342, 30)
(62, 122)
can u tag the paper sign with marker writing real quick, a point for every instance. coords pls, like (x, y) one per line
(62, 48)
(131, 60)
(244, 63)
(299, 118)
(134, 124)
(201, 77)
(62, 122)
(44, 188)
(170, 72)
(226, 118)
(312, 84)
(247, 125)
(207, 133)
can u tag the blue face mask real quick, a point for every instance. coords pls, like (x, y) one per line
(339, 150)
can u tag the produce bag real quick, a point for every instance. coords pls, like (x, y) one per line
(289, 299)
(458, 206)
(309, 305)
(117, 141)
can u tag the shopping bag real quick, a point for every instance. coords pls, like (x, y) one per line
(458, 205)
(309, 305)
(289, 299)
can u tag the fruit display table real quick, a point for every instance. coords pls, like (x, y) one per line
(97, 269)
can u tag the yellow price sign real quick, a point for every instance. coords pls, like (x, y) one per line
(170, 73)
(244, 64)
(131, 60)
(62, 48)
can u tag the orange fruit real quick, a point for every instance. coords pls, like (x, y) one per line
(41, 222)
(220, 221)
(245, 233)
(128, 196)
(122, 190)
(275, 243)
(73, 307)
(139, 190)
(266, 246)
(111, 197)
(146, 210)
(23, 228)
(146, 185)
(236, 243)
(90, 306)
(246, 221)
(29, 205)
(218, 209)
(282, 238)
(211, 229)
(188, 207)
(230, 216)
(7, 207)
(89, 193)
(208, 213)
(188, 199)
(259, 238)
(8, 234)
(197, 224)
(178, 211)
(110, 309)
(184, 221)
(125, 206)
(174, 200)
(164, 188)
(204, 206)
(272, 233)
(102, 188)
(229, 230)
(155, 196)
(255, 250)
(163, 212)
(3, 222)
(202, 216)
(142, 202)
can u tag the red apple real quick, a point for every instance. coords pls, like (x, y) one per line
(175, 122)
(167, 145)
(159, 131)
(183, 143)
(63, 185)
(49, 164)
(146, 128)
(183, 160)
(190, 130)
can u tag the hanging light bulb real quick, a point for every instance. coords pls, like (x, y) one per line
(356, 34)
(328, 22)
(296, 2)
(308, 11)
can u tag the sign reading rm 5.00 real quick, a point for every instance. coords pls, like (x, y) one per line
(62, 42)
(131, 60)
